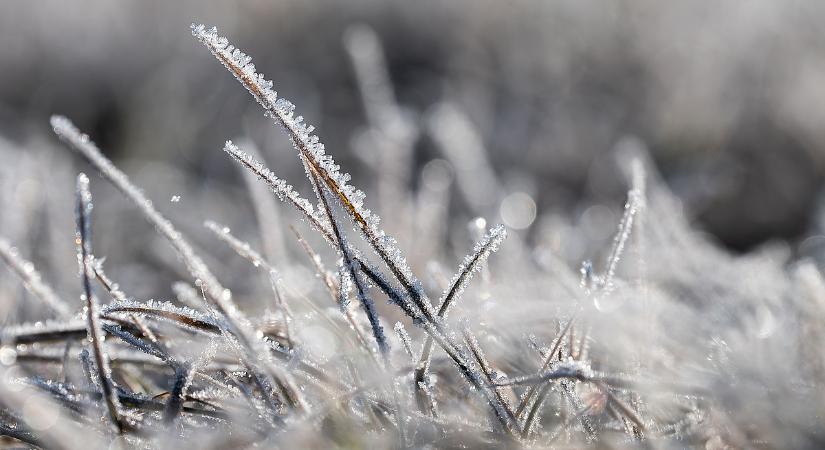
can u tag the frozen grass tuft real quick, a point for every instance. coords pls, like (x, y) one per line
(663, 340)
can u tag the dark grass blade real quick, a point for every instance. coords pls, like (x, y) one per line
(95, 332)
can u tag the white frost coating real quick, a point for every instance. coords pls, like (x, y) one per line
(310, 148)
(488, 244)
(156, 309)
(32, 279)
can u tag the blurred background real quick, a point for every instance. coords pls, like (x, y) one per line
(524, 108)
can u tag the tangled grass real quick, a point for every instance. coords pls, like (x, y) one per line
(668, 341)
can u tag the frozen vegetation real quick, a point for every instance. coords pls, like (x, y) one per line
(341, 335)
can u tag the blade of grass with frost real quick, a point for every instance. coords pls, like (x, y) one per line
(624, 410)
(571, 371)
(119, 357)
(567, 375)
(529, 422)
(367, 304)
(75, 399)
(471, 264)
(281, 188)
(314, 156)
(81, 142)
(635, 201)
(568, 388)
(32, 279)
(182, 378)
(86, 365)
(181, 316)
(634, 204)
(74, 403)
(205, 323)
(360, 284)
(286, 193)
(632, 207)
(84, 249)
(216, 295)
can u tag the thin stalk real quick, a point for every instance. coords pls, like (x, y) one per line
(472, 263)
(95, 334)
